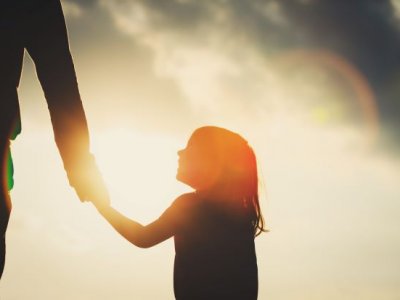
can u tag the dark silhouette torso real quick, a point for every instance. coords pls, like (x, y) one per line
(215, 255)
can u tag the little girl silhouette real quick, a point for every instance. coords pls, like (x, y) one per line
(213, 227)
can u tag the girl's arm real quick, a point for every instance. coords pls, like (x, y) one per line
(139, 235)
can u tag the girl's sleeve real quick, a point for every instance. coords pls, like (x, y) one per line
(178, 214)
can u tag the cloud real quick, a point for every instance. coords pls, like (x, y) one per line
(214, 58)
(364, 32)
(194, 43)
(225, 47)
(82, 3)
(396, 7)
(197, 55)
(72, 10)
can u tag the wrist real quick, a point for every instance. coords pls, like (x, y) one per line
(101, 207)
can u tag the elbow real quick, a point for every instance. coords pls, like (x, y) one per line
(144, 245)
(141, 240)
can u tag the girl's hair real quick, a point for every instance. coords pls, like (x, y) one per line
(253, 199)
(238, 178)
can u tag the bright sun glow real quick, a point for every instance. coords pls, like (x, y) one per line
(139, 170)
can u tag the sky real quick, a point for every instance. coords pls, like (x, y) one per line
(313, 85)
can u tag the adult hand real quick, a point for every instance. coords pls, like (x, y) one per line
(87, 181)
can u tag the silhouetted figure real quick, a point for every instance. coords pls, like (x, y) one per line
(215, 226)
(39, 27)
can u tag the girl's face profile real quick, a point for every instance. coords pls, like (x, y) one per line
(198, 164)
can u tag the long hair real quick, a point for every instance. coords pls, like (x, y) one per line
(252, 199)
(237, 178)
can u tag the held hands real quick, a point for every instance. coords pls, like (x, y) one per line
(84, 176)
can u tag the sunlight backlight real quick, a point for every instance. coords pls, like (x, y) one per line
(139, 169)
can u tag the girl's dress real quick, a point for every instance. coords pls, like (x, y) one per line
(214, 250)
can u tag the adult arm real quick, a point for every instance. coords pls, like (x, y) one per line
(49, 48)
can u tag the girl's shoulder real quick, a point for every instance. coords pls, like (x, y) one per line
(188, 203)
(181, 211)
(186, 199)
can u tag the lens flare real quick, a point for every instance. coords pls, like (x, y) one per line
(364, 94)
(10, 171)
(7, 168)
